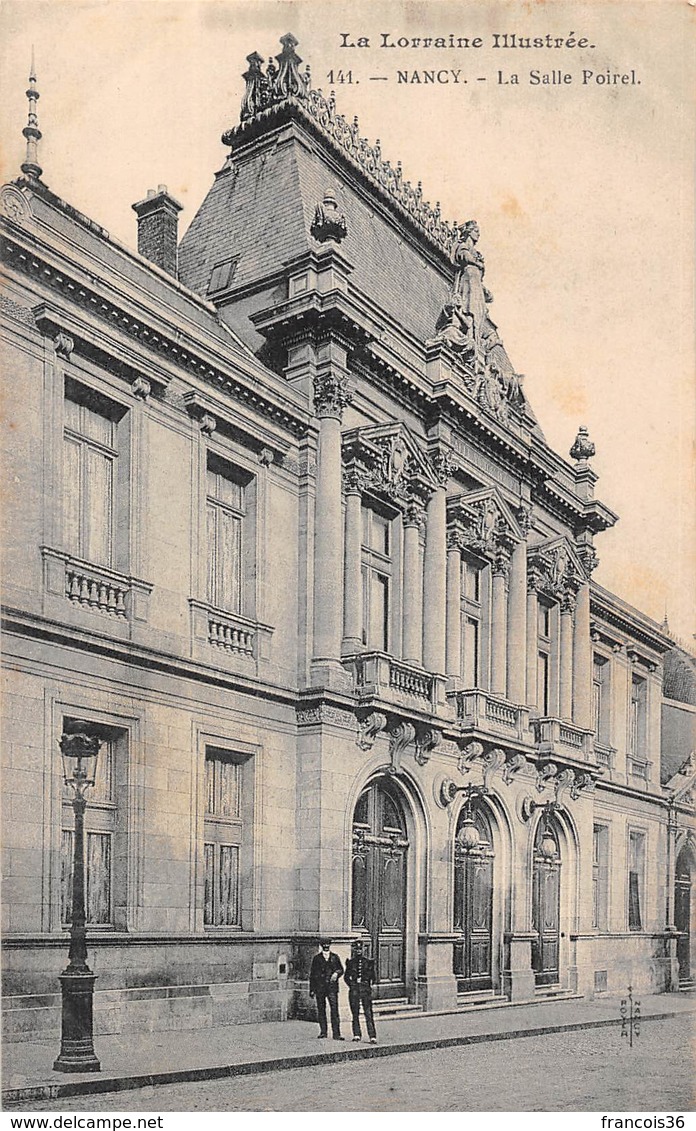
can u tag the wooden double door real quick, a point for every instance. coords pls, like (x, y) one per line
(379, 880)
(473, 907)
(684, 912)
(546, 908)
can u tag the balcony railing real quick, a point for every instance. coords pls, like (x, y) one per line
(94, 588)
(378, 675)
(554, 736)
(216, 632)
(604, 754)
(480, 710)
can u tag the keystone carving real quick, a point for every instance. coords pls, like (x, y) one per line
(141, 388)
(493, 761)
(399, 739)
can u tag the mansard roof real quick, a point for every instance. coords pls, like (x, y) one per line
(290, 149)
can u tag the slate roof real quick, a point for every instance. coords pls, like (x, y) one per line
(261, 209)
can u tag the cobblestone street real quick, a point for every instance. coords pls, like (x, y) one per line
(585, 1070)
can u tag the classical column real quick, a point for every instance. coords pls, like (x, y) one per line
(330, 397)
(435, 569)
(517, 626)
(454, 607)
(582, 661)
(501, 567)
(532, 640)
(352, 574)
(412, 643)
(566, 656)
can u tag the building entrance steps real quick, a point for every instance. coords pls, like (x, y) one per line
(136, 1060)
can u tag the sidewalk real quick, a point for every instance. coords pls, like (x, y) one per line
(136, 1060)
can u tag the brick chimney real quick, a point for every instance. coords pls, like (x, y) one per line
(157, 228)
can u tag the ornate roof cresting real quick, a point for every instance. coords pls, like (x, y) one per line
(285, 83)
(31, 131)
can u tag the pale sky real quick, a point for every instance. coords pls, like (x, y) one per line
(583, 192)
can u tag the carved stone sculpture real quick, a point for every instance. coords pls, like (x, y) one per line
(329, 223)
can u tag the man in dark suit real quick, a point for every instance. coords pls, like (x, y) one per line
(324, 973)
(360, 977)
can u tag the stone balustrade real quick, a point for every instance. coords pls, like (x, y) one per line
(377, 675)
(219, 634)
(71, 582)
(480, 710)
(94, 589)
(564, 739)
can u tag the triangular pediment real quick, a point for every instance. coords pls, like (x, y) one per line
(391, 461)
(489, 510)
(557, 564)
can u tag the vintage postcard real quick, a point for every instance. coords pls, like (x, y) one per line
(349, 554)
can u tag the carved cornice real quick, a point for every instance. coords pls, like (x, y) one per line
(210, 412)
(128, 360)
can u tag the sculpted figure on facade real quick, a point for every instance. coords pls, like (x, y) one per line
(455, 327)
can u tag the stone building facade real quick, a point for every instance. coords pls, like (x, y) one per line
(284, 533)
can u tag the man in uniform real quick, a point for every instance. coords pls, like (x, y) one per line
(324, 973)
(360, 977)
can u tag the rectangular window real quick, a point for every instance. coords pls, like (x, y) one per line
(637, 736)
(600, 876)
(100, 828)
(472, 588)
(89, 477)
(472, 655)
(543, 684)
(600, 689)
(376, 579)
(222, 839)
(636, 874)
(544, 620)
(225, 513)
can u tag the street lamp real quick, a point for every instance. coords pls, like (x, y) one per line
(79, 752)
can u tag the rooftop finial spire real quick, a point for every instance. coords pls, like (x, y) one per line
(31, 131)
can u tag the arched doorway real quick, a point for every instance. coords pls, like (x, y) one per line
(684, 910)
(473, 901)
(379, 877)
(546, 903)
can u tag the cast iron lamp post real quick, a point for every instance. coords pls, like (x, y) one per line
(79, 753)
